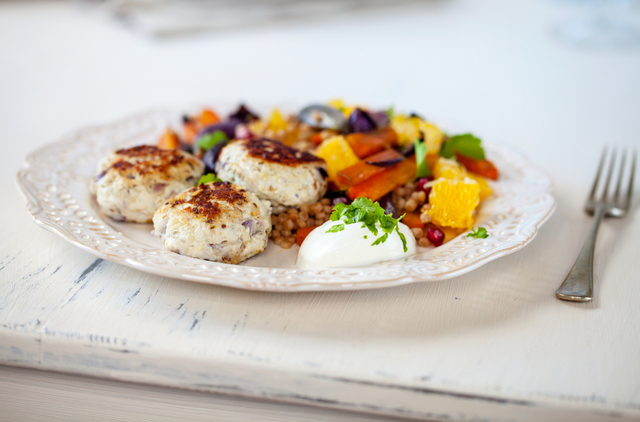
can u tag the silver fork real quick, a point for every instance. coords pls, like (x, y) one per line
(578, 286)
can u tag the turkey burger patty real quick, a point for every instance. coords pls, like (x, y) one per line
(273, 171)
(132, 183)
(217, 221)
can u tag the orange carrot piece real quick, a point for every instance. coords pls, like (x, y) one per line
(301, 234)
(412, 220)
(190, 129)
(362, 170)
(316, 138)
(290, 137)
(484, 168)
(381, 184)
(365, 144)
(432, 159)
(169, 140)
(208, 117)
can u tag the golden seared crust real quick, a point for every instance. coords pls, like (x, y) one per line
(148, 160)
(143, 151)
(274, 172)
(205, 200)
(276, 152)
(132, 183)
(218, 221)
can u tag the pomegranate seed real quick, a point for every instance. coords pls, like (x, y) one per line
(435, 236)
(423, 181)
(420, 186)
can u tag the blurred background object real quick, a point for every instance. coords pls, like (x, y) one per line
(164, 18)
(603, 24)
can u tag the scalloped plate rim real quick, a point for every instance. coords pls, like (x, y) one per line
(300, 286)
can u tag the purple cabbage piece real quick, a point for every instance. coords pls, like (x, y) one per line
(340, 200)
(361, 121)
(211, 157)
(386, 202)
(228, 127)
(244, 114)
(186, 147)
(381, 118)
(323, 173)
(409, 149)
(386, 163)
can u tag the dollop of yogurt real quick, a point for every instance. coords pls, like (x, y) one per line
(351, 247)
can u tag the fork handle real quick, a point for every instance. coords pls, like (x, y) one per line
(578, 286)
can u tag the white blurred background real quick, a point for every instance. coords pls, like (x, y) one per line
(494, 67)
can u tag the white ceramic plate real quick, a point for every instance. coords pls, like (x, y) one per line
(55, 185)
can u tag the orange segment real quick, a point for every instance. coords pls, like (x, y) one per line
(453, 202)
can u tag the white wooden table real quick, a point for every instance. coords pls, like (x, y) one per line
(491, 345)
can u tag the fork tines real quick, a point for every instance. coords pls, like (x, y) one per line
(617, 203)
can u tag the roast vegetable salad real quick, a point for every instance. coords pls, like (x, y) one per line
(383, 168)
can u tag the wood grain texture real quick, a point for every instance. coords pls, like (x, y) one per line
(493, 345)
(28, 395)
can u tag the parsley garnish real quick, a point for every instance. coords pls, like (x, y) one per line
(481, 233)
(390, 112)
(208, 178)
(466, 144)
(335, 229)
(421, 158)
(371, 215)
(208, 141)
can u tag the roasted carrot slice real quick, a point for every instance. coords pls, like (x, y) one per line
(484, 168)
(190, 129)
(301, 234)
(370, 166)
(412, 220)
(382, 183)
(365, 144)
(432, 159)
(169, 140)
(290, 137)
(316, 138)
(208, 117)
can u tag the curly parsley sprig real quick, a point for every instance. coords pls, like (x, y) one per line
(481, 233)
(370, 214)
(209, 177)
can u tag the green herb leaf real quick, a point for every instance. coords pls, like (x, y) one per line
(390, 112)
(481, 233)
(335, 229)
(210, 177)
(402, 237)
(465, 144)
(381, 239)
(371, 215)
(421, 159)
(210, 140)
(448, 149)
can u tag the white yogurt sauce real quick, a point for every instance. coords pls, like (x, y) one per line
(349, 248)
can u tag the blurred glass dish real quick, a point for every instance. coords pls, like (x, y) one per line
(166, 18)
(608, 24)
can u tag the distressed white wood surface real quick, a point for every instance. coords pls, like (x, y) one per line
(492, 345)
(27, 395)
